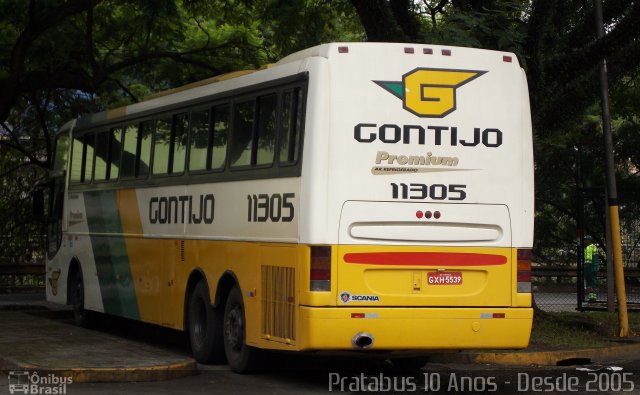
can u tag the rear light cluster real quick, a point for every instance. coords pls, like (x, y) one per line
(320, 269)
(524, 270)
(428, 214)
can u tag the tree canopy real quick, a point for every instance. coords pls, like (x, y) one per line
(62, 58)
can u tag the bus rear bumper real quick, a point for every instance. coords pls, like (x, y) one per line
(397, 328)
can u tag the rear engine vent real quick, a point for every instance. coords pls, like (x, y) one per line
(278, 303)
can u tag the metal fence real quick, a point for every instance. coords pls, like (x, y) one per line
(22, 265)
(556, 287)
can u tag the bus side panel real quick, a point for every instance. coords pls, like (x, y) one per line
(146, 257)
(77, 245)
(110, 252)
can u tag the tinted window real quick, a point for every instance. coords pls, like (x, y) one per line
(220, 136)
(266, 133)
(129, 151)
(115, 146)
(143, 155)
(179, 146)
(88, 157)
(102, 155)
(199, 146)
(162, 147)
(77, 159)
(242, 140)
(291, 125)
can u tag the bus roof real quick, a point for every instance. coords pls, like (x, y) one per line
(172, 96)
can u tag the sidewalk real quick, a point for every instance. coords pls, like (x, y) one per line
(31, 341)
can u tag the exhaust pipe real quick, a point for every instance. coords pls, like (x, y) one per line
(362, 341)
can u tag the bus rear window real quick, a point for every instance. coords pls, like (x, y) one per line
(291, 125)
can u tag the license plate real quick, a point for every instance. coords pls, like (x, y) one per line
(444, 278)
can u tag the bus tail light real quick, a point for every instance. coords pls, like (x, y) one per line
(320, 273)
(524, 270)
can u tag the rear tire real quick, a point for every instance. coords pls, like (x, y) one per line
(241, 357)
(82, 317)
(205, 327)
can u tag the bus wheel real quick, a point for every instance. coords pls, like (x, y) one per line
(82, 317)
(205, 327)
(241, 357)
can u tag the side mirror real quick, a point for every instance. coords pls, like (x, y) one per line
(37, 204)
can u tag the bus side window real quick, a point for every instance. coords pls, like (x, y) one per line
(200, 141)
(162, 147)
(102, 156)
(77, 159)
(143, 149)
(242, 137)
(129, 151)
(115, 147)
(88, 157)
(290, 126)
(266, 133)
(220, 136)
(179, 146)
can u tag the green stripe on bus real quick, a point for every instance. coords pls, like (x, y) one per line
(110, 253)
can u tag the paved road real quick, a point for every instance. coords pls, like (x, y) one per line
(320, 376)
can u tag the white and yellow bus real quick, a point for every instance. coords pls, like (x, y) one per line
(353, 196)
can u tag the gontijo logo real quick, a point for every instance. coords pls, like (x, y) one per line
(430, 93)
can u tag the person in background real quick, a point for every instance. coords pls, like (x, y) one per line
(591, 267)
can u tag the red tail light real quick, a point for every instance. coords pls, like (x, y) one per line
(524, 270)
(320, 273)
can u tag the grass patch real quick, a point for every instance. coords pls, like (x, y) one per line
(577, 330)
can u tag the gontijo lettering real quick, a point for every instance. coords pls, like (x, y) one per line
(181, 209)
(415, 134)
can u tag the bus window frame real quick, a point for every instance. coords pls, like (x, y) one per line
(225, 174)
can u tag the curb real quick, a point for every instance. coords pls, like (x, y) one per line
(109, 375)
(542, 358)
(140, 369)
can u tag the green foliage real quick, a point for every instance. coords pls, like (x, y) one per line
(470, 26)
(292, 25)
(64, 58)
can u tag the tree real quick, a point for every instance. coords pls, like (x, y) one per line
(63, 58)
